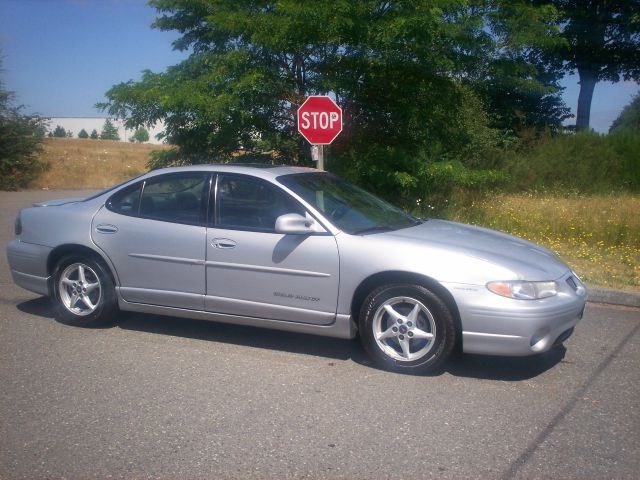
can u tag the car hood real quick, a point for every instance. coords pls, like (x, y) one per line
(525, 259)
(58, 201)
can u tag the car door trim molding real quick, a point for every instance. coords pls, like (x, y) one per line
(164, 258)
(260, 268)
(267, 311)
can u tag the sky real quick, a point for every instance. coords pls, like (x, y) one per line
(61, 56)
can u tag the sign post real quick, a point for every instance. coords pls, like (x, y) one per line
(320, 122)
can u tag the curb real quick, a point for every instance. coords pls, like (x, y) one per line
(613, 297)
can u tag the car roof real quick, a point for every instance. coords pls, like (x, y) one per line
(257, 170)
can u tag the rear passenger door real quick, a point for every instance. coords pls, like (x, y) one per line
(154, 232)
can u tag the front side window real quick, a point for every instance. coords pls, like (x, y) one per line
(126, 201)
(245, 203)
(178, 198)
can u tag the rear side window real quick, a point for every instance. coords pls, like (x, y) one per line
(178, 198)
(126, 201)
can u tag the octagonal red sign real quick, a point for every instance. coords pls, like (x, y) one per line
(319, 120)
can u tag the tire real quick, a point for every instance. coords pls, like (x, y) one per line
(83, 292)
(407, 328)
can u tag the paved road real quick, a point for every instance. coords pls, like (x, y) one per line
(156, 397)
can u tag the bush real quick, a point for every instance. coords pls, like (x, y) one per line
(20, 142)
(19, 145)
(586, 162)
(425, 183)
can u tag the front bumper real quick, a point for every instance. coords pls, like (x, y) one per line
(495, 325)
(28, 263)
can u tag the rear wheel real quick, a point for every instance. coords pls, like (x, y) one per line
(83, 292)
(407, 328)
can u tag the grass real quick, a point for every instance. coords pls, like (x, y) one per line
(598, 236)
(76, 163)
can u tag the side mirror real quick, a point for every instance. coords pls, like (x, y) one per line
(293, 223)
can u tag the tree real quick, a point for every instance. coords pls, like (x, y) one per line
(94, 134)
(109, 131)
(629, 118)
(412, 79)
(69, 134)
(602, 43)
(59, 132)
(141, 135)
(83, 134)
(20, 142)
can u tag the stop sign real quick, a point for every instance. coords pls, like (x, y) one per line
(319, 120)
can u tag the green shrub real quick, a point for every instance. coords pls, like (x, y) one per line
(20, 142)
(586, 162)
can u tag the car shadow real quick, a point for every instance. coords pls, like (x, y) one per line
(40, 307)
(511, 369)
(460, 365)
(333, 348)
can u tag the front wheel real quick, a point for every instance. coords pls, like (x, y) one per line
(407, 328)
(83, 292)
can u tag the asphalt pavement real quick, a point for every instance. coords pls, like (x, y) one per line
(158, 397)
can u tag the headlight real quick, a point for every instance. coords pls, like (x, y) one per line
(524, 290)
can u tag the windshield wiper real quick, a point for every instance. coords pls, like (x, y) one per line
(378, 228)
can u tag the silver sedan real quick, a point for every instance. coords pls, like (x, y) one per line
(300, 250)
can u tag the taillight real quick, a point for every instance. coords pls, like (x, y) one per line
(18, 225)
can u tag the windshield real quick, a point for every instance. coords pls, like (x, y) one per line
(348, 207)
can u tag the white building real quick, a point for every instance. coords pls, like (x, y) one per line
(75, 124)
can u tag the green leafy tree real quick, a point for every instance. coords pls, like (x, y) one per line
(83, 134)
(413, 79)
(20, 143)
(141, 135)
(59, 132)
(602, 42)
(519, 76)
(109, 131)
(94, 134)
(629, 118)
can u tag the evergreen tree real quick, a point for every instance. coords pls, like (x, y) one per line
(94, 134)
(109, 131)
(59, 132)
(83, 134)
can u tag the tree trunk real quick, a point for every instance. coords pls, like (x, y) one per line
(588, 82)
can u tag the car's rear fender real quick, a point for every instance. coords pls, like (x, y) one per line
(73, 249)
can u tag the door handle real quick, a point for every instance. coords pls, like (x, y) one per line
(106, 228)
(223, 243)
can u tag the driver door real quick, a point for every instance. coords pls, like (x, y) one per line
(253, 271)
